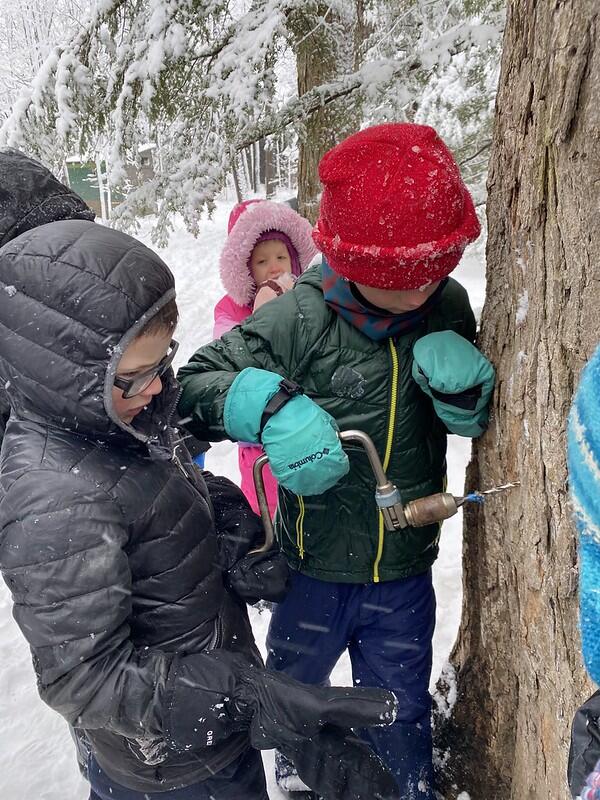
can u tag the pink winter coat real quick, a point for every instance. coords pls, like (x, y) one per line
(228, 314)
(249, 221)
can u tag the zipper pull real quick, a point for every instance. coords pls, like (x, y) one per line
(177, 461)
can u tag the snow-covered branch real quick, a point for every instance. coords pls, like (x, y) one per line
(203, 77)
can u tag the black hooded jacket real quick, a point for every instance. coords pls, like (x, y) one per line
(30, 195)
(107, 530)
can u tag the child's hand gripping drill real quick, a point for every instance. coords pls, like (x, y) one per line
(300, 439)
(304, 446)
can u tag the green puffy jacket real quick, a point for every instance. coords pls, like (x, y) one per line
(339, 535)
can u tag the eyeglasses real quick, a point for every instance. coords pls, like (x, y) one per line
(144, 379)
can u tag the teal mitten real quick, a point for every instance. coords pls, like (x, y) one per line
(457, 377)
(300, 438)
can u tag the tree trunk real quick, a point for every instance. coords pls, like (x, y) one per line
(324, 49)
(247, 165)
(236, 180)
(256, 180)
(517, 659)
(269, 152)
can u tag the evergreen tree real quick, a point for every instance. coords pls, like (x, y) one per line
(203, 79)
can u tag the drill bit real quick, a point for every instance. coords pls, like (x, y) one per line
(479, 497)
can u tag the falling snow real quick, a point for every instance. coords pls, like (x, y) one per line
(42, 762)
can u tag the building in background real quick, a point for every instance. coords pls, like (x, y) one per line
(89, 178)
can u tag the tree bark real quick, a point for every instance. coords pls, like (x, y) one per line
(519, 674)
(324, 50)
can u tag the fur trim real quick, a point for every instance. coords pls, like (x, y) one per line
(256, 219)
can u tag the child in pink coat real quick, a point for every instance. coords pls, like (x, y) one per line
(268, 246)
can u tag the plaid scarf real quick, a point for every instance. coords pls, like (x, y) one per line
(376, 323)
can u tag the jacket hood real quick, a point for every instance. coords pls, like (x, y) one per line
(30, 196)
(73, 296)
(248, 221)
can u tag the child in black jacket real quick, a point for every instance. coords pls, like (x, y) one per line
(121, 557)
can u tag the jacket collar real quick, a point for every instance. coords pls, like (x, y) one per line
(376, 323)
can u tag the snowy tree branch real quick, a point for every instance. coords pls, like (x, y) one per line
(201, 78)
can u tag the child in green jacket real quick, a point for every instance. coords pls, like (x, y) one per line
(379, 338)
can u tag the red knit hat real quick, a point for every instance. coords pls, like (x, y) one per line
(395, 213)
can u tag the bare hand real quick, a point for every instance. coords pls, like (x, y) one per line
(269, 290)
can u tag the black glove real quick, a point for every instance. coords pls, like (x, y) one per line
(340, 766)
(311, 726)
(211, 696)
(585, 744)
(238, 528)
(195, 446)
(254, 577)
(260, 576)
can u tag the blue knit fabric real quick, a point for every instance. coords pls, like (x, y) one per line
(591, 790)
(584, 479)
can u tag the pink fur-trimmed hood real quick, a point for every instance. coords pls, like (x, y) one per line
(247, 222)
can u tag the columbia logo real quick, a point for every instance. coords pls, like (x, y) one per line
(309, 459)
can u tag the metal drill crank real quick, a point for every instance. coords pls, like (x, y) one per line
(396, 516)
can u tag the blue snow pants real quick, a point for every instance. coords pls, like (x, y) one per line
(200, 460)
(387, 629)
(244, 778)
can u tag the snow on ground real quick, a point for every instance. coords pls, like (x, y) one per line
(37, 759)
